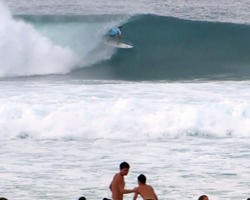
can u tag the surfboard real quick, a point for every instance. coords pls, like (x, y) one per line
(120, 45)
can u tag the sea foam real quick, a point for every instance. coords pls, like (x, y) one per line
(24, 51)
(124, 111)
(50, 48)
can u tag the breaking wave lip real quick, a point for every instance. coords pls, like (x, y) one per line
(24, 51)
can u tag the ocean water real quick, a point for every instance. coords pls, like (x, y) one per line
(176, 107)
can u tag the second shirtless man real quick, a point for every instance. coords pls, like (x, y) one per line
(146, 191)
(118, 184)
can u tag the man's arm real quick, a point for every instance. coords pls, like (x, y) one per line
(135, 196)
(156, 198)
(121, 188)
(125, 191)
(120, 34)
(110, 187)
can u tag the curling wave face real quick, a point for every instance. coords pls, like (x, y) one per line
(167, 48)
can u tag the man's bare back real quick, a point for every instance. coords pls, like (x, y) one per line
(118, 184)
(146, 191)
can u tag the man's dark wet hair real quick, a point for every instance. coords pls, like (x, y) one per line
(120, 27)
(248, 199)
(202, 197)
(2, 198)
(142, 178)
(124, 165)
(82, 198)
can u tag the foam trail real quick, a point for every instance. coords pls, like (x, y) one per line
(122, 111)
(126, 118)
(24, 51)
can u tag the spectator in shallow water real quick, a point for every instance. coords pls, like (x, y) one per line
(203, 197)
(81, 198)
(146, 191)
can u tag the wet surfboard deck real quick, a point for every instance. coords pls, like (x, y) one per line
(120, 45)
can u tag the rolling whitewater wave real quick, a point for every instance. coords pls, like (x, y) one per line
(24, 51)
(165, 48)
(123, 110)
(33, 45)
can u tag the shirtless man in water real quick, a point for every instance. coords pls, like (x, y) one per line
(146, 191)
(118, 184)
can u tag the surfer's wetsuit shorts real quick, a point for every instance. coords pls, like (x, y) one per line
(113, 36)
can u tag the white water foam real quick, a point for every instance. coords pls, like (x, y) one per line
(84, 38)
(124, 110)
(176, 168)
(26, 52)
(49, 48)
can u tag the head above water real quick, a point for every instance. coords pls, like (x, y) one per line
(82, 198)
(120, 27)
(124, 168)
(142, 179)
(203, 197)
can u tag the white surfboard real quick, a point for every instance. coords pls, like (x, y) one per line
(113, 43)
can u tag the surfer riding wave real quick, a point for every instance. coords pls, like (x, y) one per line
(116, 33)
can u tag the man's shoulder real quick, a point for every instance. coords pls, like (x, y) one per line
(118, 176)
(144, 186)
(149, 186)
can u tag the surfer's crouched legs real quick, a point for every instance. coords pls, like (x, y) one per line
(115, 36)
(111, 37)
(118, 38)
